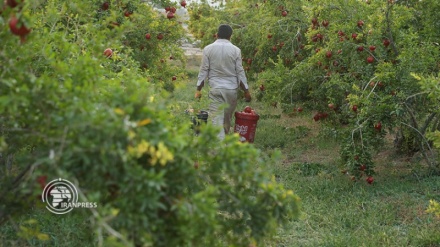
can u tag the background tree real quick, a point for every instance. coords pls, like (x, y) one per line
(350, 63)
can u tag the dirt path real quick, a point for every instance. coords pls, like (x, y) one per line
(189, 44)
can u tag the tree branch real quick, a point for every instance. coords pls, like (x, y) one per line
(390, 34)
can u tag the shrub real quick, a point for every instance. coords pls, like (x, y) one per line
(70, 111)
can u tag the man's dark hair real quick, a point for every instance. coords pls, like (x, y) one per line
(224, 31)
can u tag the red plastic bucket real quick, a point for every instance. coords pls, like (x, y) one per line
(246, 126)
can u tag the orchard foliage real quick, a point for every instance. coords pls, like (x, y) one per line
(77, 102)
(351, 62)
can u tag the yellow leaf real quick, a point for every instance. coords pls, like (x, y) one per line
(115, 211)
(119, 111)
(131, 134)
(43, 236)
(142, 147)
(24, 229)
(434, 207)
(417, 77)
(355, 87)
(144, 122)
(31, 221)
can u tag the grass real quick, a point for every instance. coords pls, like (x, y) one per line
(335, 210)
(338, 212)
(70, 230)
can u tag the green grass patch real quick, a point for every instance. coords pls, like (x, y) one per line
(271, 135)
(72, 229)
(339, 212)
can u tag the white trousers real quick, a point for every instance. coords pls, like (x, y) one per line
(221, 108)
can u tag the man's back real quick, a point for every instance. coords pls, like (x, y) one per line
(222, 62)
(222, 56)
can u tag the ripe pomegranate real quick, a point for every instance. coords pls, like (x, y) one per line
(247, 109)
(108, 52)
(170, 15)
(380, 84)
(354, 108)
(105, 6)
(18, 29)
(328, 54)
(183, 3)
(316, 117)
(378, 126)
(42, 180)
(11, 3)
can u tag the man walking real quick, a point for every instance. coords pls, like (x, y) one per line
(221, 65)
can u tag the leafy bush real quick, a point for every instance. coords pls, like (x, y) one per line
(98, 120)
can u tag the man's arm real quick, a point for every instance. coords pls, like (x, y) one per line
(241, 75)
(203, 72)
(198, 93)
(199, 87)
(247, 94)
(243, 87)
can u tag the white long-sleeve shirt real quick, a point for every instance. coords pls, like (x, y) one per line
(221, 65)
